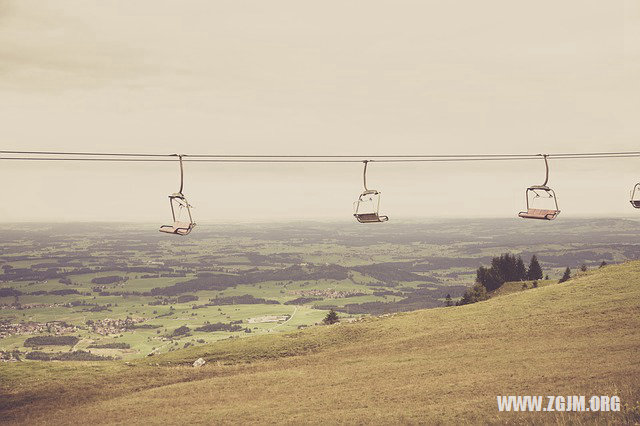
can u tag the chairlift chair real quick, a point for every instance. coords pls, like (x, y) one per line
(535, 192)
(178, 201)
(367, 207)
(635, 196)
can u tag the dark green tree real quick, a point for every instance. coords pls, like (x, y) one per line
(331, 318)
(603, 264)
(182, 330)
(566, 276)
(487, 277)
(584, 268)
(521, 271)
(477, 293)
(448, 301)
(535, 271)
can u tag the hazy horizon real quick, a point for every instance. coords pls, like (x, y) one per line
(348, 221)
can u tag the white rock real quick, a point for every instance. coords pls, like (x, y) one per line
(199, 362)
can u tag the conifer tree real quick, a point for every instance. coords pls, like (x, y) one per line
(566, 275)
(521, 270)
(331, 318)
(535, 271)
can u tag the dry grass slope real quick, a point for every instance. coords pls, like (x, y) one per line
(443, 365)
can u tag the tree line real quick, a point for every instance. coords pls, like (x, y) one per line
(504, 268)
(508, 268)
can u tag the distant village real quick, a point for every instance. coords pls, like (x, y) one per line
(31, 327)
(103, 327)
(328, 293)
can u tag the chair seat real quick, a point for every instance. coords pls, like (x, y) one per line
(370, 218)
(179, 228)
(543, 214)
(635, 203)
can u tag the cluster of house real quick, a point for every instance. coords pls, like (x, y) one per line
(268, 318)
(328, 293)
(20, 306)
(31, 327)
(113, 326)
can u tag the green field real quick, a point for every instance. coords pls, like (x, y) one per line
(444, 365)
(296, 272)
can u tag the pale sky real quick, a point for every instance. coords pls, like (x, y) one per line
(330, 77)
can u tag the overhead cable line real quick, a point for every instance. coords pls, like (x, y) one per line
(259, 158)
(282, 160)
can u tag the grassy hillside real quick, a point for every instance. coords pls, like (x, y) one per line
(581, 337)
